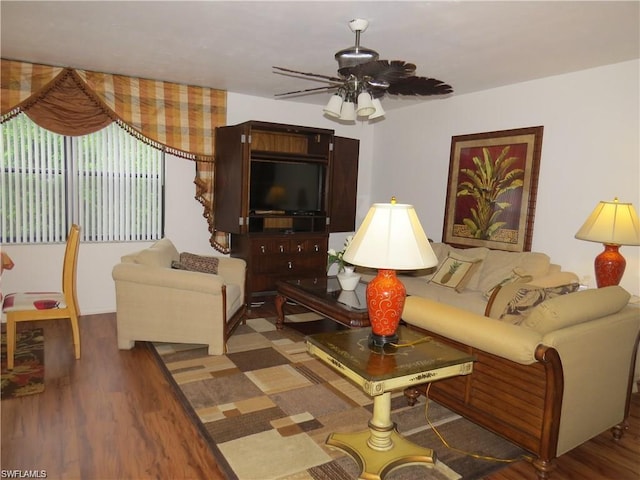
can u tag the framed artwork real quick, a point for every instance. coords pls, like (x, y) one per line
(492, 187)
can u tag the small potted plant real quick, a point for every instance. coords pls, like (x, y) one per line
(346, 276)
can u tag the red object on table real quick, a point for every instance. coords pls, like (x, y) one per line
(385, 301)
(609, 266)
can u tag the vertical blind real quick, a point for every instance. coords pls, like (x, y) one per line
(120, 181)
(179, 119)
(108, 181)
(33, 199)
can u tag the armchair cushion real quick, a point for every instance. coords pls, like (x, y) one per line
(160, 254)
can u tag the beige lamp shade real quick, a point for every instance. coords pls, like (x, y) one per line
(391, 237)
(612, 223)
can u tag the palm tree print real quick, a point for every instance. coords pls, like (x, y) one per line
(486, 184)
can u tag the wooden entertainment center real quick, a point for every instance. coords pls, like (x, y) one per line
(279, 191)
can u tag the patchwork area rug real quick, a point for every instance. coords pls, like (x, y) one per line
(27, 376)
(267, 408)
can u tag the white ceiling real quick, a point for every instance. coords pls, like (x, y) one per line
(232, 45)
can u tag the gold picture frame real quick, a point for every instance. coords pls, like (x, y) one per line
(492, 188)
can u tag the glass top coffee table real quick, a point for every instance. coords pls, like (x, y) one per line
(378, 371)
(323, 295)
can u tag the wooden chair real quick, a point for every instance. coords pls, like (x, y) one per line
(32, 306)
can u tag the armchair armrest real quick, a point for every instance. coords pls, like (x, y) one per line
(233, 270)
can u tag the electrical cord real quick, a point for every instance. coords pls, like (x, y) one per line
(463, 452)
(410, 344)
(439, 435)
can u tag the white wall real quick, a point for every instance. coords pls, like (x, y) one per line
(39, 267)
(590, 152)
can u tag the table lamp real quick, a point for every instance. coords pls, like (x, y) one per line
(389, 239)
(613, 224)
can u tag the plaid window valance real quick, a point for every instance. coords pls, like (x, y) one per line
(180, 119)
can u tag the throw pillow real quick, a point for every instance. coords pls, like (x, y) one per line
(516, 276)
(197, 263)
(527, 297)
(584, 306)
(455, 272)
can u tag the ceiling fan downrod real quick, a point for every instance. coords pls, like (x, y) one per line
(356, 55)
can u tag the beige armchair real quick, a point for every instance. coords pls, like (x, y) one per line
(158, 303)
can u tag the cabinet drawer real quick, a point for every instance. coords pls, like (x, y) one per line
(308, 245)
(270, 246)
(297, 264)
(289, 264)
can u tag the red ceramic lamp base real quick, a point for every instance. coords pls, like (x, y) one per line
(385, 301)
(609, 266)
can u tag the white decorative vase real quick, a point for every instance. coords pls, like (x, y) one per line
(348, 279)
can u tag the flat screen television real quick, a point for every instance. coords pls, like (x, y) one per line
(289, 187)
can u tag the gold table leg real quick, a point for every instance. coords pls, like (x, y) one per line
(380, 449)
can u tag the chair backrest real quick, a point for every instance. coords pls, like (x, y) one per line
(69, 268)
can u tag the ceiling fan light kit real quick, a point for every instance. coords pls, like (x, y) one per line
(348, 112)
(365, 104)
(379, 110)
(364, 79)
(334, 106)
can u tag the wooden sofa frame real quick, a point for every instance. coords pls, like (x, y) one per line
(521, 403)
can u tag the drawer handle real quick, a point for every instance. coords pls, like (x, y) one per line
(290, 265)
(317, 247)
(299, 248)
(281, 248)
(262, 249)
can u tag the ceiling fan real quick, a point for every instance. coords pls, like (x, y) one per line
(363, 79)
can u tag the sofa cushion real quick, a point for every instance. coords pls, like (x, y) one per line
(579, 307)
(516, 276)
(456, 271)
(555, 279)
(197, 263)
(160, 254)
(499, 264)
(527, 297)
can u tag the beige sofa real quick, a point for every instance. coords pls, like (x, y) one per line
(549, 376)
(156, 302)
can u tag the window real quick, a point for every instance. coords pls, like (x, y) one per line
(108, 182)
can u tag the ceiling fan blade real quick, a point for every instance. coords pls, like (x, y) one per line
(307, 90)
(315, 75)
(419, 86)
(385, 70)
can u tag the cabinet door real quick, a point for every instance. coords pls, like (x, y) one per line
(231, 186)
(344, 185)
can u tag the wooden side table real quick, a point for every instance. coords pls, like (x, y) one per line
(380, 448)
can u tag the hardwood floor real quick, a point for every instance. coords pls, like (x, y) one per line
(113, 415)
